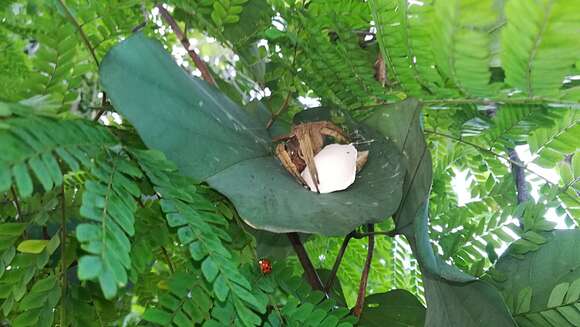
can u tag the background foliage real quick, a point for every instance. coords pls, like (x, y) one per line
(97, 230)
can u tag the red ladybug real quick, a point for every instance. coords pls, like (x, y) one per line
(265, 266)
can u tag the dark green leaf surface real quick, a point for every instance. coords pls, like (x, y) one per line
(210, 138)
(397, 307)
(401, 124)
(543, 286)
(473, 304)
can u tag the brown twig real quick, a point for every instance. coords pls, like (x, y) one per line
(334, 271)
(311, 275)
(362, 288)
(522, 193)
(205, 74)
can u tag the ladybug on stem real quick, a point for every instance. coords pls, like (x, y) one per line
(265, 266)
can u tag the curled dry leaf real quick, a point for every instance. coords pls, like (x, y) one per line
(297, 149)
(301, 153)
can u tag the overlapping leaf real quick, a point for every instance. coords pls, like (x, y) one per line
(539, 44)
(108, 201)
(542, 288)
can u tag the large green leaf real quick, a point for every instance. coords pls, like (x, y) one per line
(453, 295)
(543, 287)
(401, 124)
(211, 139)
(399, 307)
(473, 304)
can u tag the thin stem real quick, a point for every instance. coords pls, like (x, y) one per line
(451, 102)
(523, 193)
(63, 257)
(168, 259)
(311, 275)
(103, 107)
(185, 42)
(280, 111)
(362, 288)
(334, 271)
(81, 32)
(16, 202)
(390, 233)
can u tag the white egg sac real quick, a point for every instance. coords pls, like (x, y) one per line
(336, 166)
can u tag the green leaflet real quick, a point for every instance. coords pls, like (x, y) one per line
(404, 36)
(542, 287)
(461, 43)
(37, 307)
(341, 71)
(32, 246)
(199, 231)
(211, 139)
(14, 282)
(108, 203)
(539, 44)
(186, 302)
(554, 143)
(304, 306)
(34, 144)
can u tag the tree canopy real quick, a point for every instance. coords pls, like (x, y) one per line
(139, 184)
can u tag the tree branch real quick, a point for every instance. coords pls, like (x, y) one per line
(519, 176)
(311, 275)
(520, 180)
(205, 73)
(362, 288)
